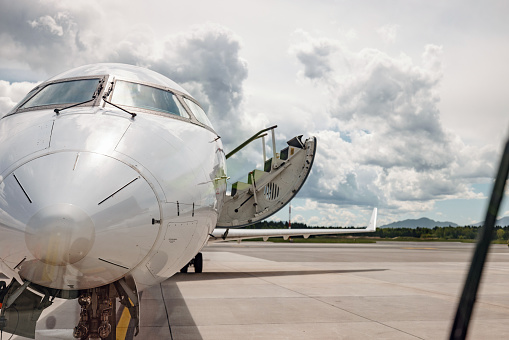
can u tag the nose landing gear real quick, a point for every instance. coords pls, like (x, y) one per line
(97, 313)
(98, 309)
(196, 262)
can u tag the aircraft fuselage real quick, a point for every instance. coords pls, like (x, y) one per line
(91, 194)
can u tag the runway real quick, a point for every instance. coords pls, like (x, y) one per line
(254, 290)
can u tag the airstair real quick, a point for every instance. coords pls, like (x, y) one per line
(267, 191)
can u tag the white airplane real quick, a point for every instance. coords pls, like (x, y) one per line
(112, 179)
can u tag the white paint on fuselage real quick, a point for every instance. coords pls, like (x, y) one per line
(81, 157)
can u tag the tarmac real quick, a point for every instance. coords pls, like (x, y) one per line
(255, 290)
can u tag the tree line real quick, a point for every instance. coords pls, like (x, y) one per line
(447, 233)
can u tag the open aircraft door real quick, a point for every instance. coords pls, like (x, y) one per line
(268, 190)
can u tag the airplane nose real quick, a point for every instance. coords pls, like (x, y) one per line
(78, 219)
(60, 234)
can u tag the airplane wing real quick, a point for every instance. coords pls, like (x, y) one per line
(230, 234)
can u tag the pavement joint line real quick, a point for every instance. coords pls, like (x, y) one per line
(493, 301)
(449, 297)
(442, 296)
(331, 305)
(166, 310)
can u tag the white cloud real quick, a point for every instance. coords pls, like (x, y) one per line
(380, 136)
(308, 205)
(274, 218)
(388, 33)
(298, 219)
(327, 214)
(205, 60)
(48, 22)
(315, 57)
(390, 148)
(48, 35)
(432, 58)
(208, 60)
(11, 93)
(349, 34)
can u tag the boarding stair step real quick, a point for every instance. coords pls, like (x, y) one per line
(239, 186)
(256, 175)
(284, 155)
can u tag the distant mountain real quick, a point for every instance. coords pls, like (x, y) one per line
(504, 221)
(421, 222)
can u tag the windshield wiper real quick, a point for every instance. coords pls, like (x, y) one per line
(118, 107)
(57, 111)
(96, 93)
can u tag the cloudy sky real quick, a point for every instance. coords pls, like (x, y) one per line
(408, 99)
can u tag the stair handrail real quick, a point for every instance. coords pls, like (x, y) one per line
(255, 136)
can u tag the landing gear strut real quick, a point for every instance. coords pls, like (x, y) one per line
(97, 315)
(98, 310)
(196, 262)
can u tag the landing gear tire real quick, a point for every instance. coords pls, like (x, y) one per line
(198, 263)
(185, 268)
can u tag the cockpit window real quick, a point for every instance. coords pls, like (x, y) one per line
(147, 97)
(198, 112)
(67, 92)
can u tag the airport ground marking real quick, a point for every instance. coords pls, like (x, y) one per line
(123, 324)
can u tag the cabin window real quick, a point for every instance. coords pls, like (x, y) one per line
(198, 112)
(67, 92)
(147, 97)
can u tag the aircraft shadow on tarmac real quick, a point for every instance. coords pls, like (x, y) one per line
(238, 275)
(165, 314)
(173, 312)
(180, 321)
